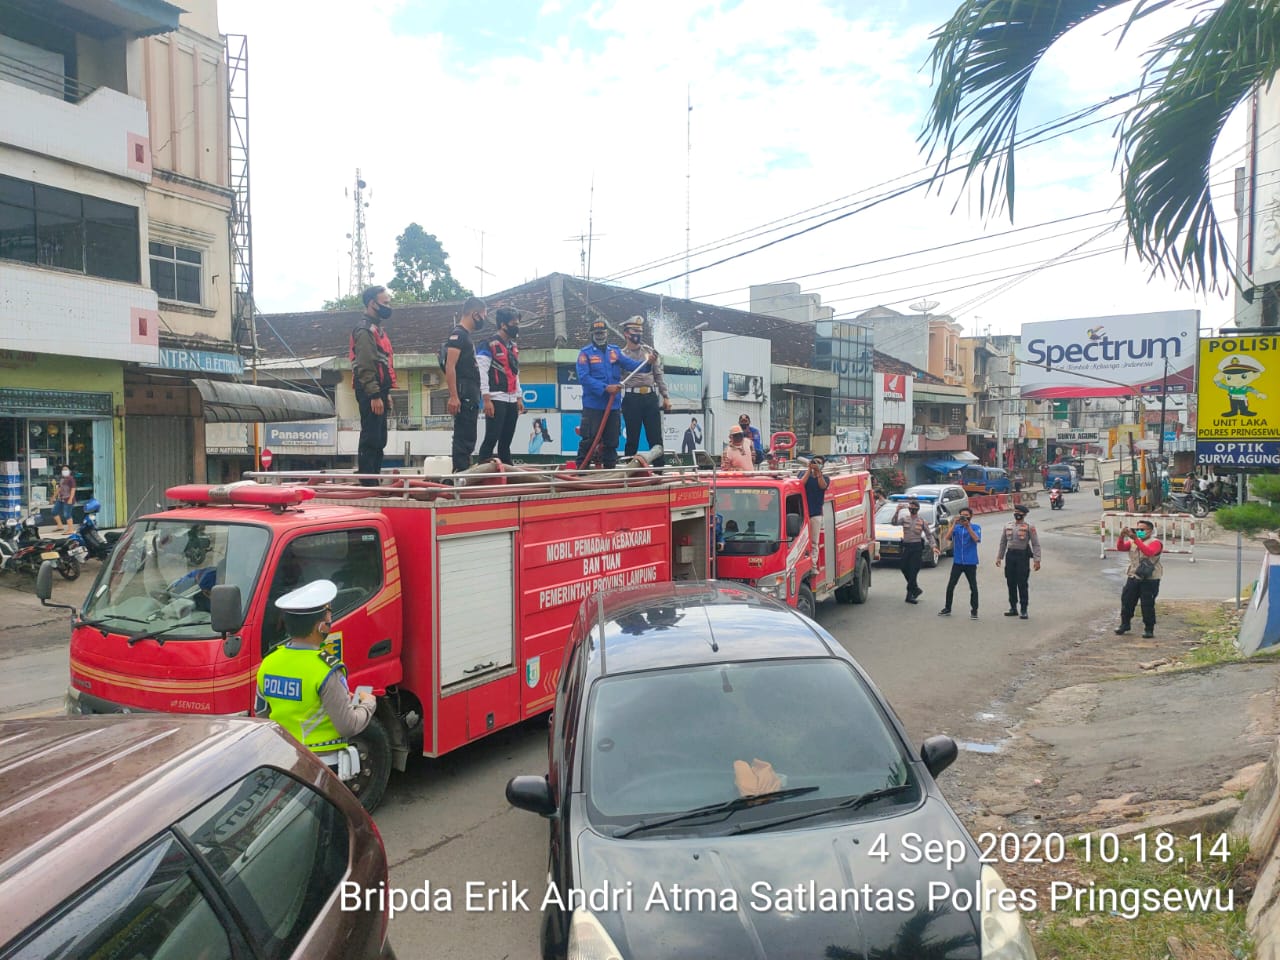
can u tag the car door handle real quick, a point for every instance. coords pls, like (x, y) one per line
(482, 666)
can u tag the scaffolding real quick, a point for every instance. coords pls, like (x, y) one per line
(243, 328)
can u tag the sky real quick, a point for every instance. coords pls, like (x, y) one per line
(512, 130)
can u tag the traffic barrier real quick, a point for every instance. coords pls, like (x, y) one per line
(1176, 532)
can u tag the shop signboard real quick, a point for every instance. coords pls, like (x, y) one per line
(539, 396)
(1238, 399)
(306, 433)
(53, 403)
(1108, 356)
(201, 361)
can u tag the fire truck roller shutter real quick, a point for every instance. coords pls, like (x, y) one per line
(477, 606)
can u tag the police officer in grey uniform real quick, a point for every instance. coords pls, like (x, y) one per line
(1020, 545)
(916, 538)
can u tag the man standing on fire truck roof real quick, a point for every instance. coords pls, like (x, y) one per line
(600, 367)
(304, 688)
(373, 375)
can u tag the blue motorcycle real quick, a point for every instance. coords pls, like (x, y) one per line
(88, 541)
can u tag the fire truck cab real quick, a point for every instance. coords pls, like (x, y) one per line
(763, 536)
(454, 605)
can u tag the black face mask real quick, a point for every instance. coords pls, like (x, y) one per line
(383, 311)
(513, 330)
(600, 338)
(913, 509)
(633, 337)
(478, 320)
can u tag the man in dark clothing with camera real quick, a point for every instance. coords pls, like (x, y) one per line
(373, 374)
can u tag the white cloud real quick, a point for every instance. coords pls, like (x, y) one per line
(788, 113)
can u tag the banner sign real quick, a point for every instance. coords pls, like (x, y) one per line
(895, 386)
(1238, 402)
(539, 396)
(308, 433)
(1108, 356)
(1078, 436)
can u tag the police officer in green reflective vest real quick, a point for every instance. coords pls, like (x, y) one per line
(303, 687)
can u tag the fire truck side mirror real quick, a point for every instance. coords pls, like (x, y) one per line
(795, 523)
(224, 608)
(532, 794)
(44, 581)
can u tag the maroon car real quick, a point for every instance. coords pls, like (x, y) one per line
(181, 837)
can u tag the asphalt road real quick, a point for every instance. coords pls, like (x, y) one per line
(446, 823)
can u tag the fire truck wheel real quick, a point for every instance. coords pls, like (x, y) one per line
(860, 588)
(375, 765)
(805, 602)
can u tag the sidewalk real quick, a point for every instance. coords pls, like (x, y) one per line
(34, 645)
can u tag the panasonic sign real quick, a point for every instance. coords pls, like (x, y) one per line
(1109, 356)
(313, 433)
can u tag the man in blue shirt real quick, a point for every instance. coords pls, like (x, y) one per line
(965, 535)
(757, 444)
(600, 367)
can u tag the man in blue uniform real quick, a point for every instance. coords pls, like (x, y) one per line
(600, 367)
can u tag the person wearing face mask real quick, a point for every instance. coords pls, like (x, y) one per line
(640, 404)
(499, 361)
(462, 374)
(737, 454)
(302, 686)
(599, 368)
(64, 499)
(1020, 544)
(1142, 580)
(753, 438)
(373, 374)
(916, 536)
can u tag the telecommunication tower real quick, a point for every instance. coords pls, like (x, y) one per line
(243, 328)
(361, 258)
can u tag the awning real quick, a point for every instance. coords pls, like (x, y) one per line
(104, 18)
(966, 455)
(249, 403)
(945, 466)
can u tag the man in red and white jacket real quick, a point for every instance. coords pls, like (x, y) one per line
(1142, 545)
(499, 363)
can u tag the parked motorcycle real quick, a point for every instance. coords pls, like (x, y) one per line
(1192, 503)
(88, 541)
(1055, 498)
(23, 550)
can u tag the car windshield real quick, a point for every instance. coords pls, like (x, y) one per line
(884, 515)
(665, 742)
(160, 574)
(750, 521)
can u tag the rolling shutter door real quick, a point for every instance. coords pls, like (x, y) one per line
(477, 610)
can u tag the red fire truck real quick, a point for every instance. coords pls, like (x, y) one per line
(764, 538)
(453, 604)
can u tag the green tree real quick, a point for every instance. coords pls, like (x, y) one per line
(349, 302)
(422, 269)
(1254, 517)
(983, 59)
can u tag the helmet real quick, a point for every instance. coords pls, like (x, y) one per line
(92, 506)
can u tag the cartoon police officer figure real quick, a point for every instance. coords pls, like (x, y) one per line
(1235, 375)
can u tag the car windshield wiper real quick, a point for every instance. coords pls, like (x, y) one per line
(157, 634)
(726, 807)
(852, 803)
(103, 626)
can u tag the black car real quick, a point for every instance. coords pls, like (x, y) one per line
(725, 781)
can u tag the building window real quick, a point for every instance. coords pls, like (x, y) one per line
(175, 272)
(57, 228)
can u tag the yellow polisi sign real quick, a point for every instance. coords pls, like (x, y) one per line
(1238, 394)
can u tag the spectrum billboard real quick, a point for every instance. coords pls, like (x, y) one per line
(1109, 356)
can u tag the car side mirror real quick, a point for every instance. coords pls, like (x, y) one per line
(1097, 492)
(795, 523)
(224, 608)
(44, 586)
(938, 753)
(532, 794)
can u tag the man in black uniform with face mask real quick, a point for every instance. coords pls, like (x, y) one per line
(373, 374)
(463, 376)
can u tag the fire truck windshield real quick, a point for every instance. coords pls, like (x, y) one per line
(750, 521)
(159, 576)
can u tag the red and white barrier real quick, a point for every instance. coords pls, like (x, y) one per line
(1176, 532)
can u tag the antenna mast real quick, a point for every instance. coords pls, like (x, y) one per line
(361, 259)
(688, 179)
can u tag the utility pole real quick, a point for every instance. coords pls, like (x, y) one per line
(688, 180)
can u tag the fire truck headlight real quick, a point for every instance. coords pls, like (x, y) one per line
(775, 584)
(588, 939)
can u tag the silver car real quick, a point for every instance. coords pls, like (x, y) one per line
(950, 495)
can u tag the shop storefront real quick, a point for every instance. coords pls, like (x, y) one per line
(40, 430)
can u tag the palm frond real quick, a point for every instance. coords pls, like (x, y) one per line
(1195, 77)
(982, 61)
